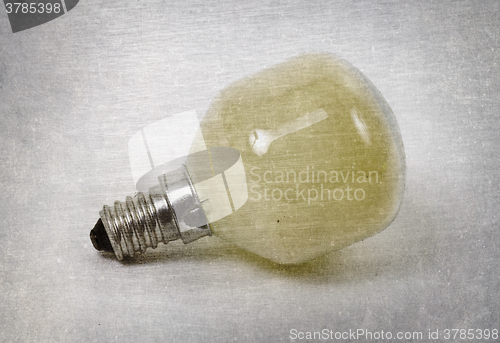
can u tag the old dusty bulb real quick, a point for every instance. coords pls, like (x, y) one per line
(291, 163)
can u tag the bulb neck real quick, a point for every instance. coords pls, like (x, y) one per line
(168, 212)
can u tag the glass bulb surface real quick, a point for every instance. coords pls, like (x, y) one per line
(322, 155)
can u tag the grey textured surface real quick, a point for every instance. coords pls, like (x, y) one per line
(74, 90)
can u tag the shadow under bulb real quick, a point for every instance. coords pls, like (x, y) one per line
(301, 159)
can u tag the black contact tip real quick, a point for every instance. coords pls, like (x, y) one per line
(100, 238)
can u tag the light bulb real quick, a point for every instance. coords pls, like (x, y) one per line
(296, 161)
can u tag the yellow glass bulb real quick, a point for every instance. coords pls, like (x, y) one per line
(330, 167)
(296, 161)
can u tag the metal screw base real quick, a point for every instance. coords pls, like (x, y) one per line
(170, 211)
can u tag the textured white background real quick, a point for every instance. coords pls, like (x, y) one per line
(74, 90)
